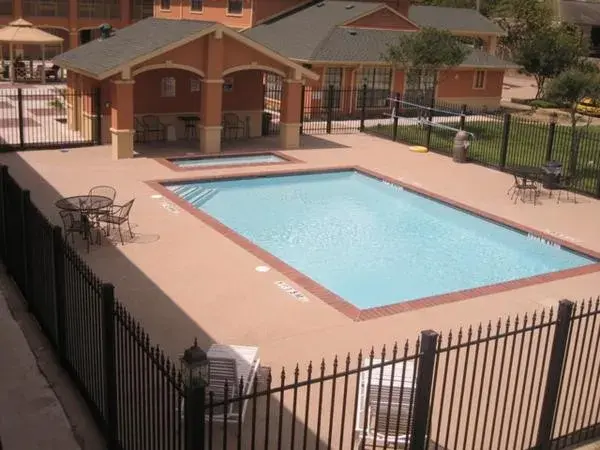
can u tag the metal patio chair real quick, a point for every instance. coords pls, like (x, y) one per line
(233, 125)
(117, 216)
(521, 186)
(566, 184)
(73, 223)
(154, 127)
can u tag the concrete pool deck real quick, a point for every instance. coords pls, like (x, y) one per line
(182, 279)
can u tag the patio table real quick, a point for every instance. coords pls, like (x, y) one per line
(189, 122)
(84, 205)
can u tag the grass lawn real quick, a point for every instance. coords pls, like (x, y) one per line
(527, 144)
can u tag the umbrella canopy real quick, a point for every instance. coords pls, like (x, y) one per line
(22, 32)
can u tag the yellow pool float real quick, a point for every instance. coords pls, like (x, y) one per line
(418, 149)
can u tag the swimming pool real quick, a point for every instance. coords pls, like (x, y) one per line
(370, 242)
(231, 160)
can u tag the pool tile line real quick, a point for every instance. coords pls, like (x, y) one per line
(170, 161)
(338, 302)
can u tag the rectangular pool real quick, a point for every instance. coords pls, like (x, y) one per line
(230, 160)
(370, 242)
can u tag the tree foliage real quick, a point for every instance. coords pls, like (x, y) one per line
(426, 52)
(571, 87)
(541, 46)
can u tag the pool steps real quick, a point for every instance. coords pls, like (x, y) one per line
(196, 195)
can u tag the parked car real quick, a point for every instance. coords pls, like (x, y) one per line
(589, 107)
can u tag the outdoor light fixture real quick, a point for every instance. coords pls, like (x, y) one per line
(195, 366)
(107, 105)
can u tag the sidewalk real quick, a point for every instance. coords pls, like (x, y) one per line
(31, 417)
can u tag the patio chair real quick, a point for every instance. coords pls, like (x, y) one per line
(154, 127)
(228, 364)
(521, 186)
(233, 125)
(119, 216)
(103, 191)
(140, 131)
(383, 421)
(566, 184)
(74, 223)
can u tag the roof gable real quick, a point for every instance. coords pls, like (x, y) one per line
(130, 43)
(300, 33)
(383, 19)
(452, 19)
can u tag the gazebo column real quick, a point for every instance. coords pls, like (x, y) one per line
(291, 104)
(122, 120)
(212, 112)
(211, 102)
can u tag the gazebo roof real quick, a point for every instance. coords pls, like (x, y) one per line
(22, 32)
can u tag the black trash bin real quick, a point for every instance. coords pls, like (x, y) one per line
(552, 171)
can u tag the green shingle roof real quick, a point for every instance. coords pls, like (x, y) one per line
(314, 32)
(453, 19)
(127, 44)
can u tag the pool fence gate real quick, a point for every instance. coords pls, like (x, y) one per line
(528, 382)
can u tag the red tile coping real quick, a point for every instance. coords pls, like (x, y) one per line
(338, 302)
(168, 162)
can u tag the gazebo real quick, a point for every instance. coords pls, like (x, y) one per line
(21, 32)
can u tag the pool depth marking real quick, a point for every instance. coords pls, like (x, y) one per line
(338, 302)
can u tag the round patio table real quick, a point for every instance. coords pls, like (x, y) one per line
(84, 203)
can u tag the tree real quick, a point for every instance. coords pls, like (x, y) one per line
(425, 52)
(571, 87)
(549, 52)
(540, 45)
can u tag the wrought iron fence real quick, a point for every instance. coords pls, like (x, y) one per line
(132, 389)
(499, 140)
(49, 118)
(531, 382)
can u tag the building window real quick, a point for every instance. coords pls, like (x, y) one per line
(194, 84)
(479, 79)
(235, 6)
(167, 87)
(53, 8)
(333, 77)
(196, 5)
(165, 4)
(99, 9)
(142, 9)
(378, 81)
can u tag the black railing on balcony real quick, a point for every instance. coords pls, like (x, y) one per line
(97, 10)
(52, 8)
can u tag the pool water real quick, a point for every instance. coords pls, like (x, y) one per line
(240, 160)
(371, 242)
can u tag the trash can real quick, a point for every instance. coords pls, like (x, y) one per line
(461, 144)
(171, 133)
(551, 172)
(266, 123)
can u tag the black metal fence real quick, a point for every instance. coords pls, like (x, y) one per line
(331, 110)
(133, 390)
(528, 383)
(49, 118)
(499, 140)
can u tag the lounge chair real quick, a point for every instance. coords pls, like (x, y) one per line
(391, 417)
(228, 365)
